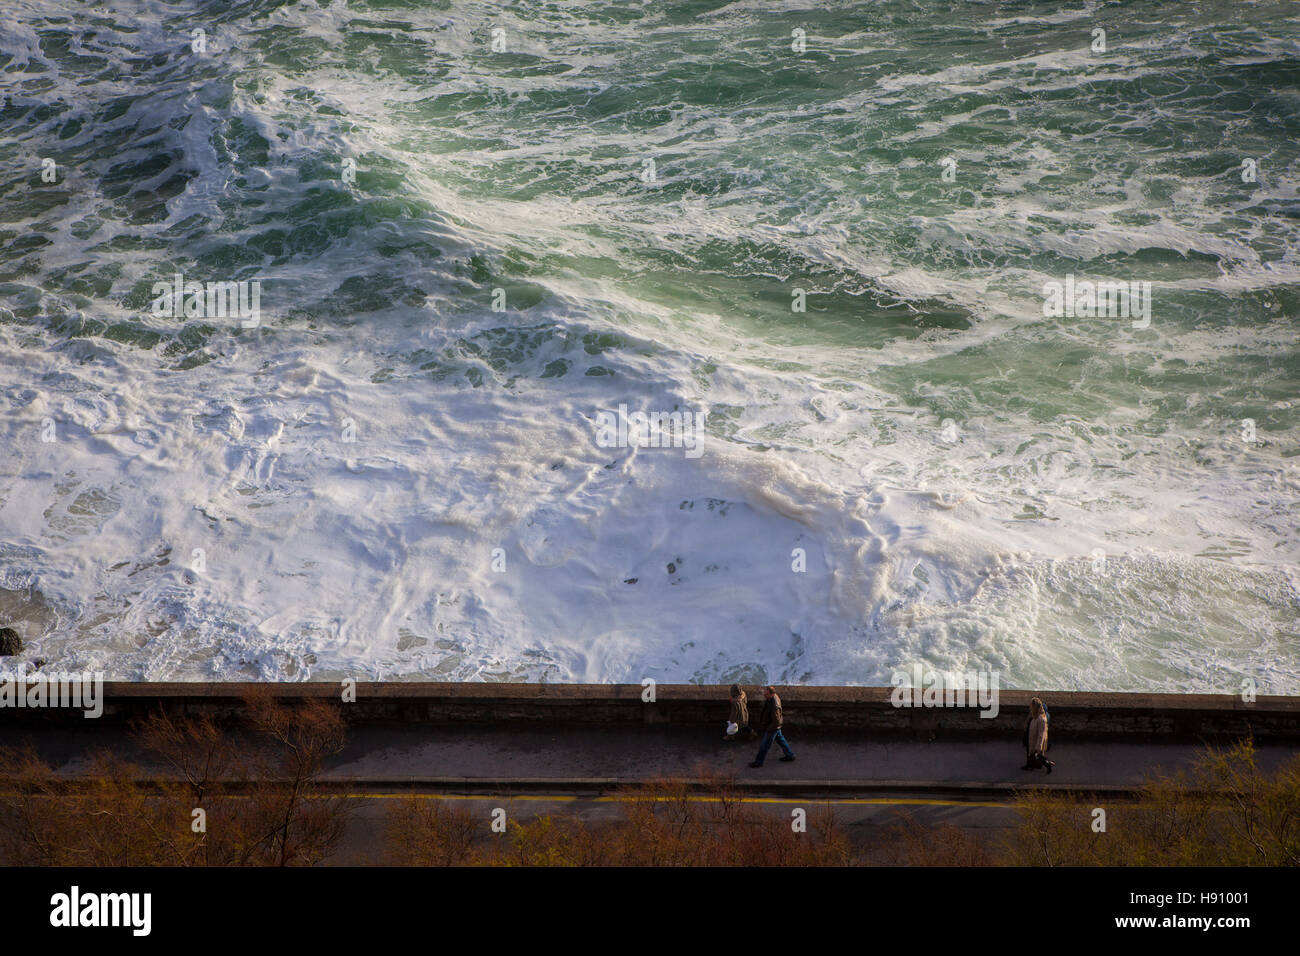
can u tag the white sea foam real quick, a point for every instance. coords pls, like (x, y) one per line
(214, 523)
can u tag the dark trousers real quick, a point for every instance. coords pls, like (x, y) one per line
(766, 745)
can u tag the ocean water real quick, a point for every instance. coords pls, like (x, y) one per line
(476, 227)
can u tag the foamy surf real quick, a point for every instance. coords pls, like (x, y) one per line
(465, 258)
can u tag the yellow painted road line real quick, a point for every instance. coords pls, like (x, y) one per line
(566, 798)
(558, 798)
(569, 798)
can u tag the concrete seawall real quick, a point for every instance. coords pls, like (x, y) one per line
(869, 709)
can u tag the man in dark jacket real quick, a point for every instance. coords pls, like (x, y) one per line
(769, 725)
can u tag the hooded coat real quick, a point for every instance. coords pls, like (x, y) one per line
(739, 711)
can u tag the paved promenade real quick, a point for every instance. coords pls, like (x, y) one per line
(473, 758)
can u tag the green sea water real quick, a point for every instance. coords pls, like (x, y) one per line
(831, 227)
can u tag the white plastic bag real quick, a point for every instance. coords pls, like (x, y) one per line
(733, 728)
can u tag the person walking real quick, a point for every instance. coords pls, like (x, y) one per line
(769, 725)
(1035, 737)
(738, 719)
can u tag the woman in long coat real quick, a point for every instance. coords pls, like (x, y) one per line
(1036, 738)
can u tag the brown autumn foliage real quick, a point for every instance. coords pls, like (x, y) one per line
(259, 792)
(430, 833)
(663, 823)
(907, 842)
(111, 821)
(1224, 811)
